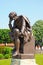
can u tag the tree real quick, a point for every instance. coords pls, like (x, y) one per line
(4, 36)
(38, 31)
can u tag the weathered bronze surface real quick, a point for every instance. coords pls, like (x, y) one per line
(21, 34)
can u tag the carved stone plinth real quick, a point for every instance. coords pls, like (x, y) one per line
(27, 57)
(28, 51)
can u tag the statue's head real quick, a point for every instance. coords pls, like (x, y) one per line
(12, 15)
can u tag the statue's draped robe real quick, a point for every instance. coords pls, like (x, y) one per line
(21, 23)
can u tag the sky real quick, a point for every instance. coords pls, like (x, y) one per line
(33, 9)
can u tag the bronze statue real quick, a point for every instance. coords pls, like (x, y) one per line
(21, 31)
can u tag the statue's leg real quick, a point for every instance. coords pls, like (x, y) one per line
(17, 42)
(17, 46)
(21, 45)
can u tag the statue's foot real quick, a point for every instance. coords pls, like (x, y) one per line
(15, 54)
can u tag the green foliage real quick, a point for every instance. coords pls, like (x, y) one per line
(7, 50)
(4, 36)
(2, 50)
(38, 31)
(42, 43)
(7, 56)
(1, 56)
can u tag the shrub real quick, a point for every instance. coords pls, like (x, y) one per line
(11, 55)
(2, 50)
(1, 56)
(7, 50)
(7, 56)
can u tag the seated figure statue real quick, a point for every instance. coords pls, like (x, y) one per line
(21, 31)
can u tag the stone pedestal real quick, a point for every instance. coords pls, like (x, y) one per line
(29, 50)
(26, 58)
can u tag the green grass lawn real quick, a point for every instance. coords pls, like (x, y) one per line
(38, 57)
(5, 62)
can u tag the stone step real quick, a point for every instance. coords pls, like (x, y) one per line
(23, 56)
(27, 56)
(28, 62)
(15, 62)
(23, 62)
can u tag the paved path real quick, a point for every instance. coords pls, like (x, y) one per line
(28, 62)
(23, 62)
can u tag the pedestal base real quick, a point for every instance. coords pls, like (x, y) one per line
(23, 62)
(27, 56)
(24, 56)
